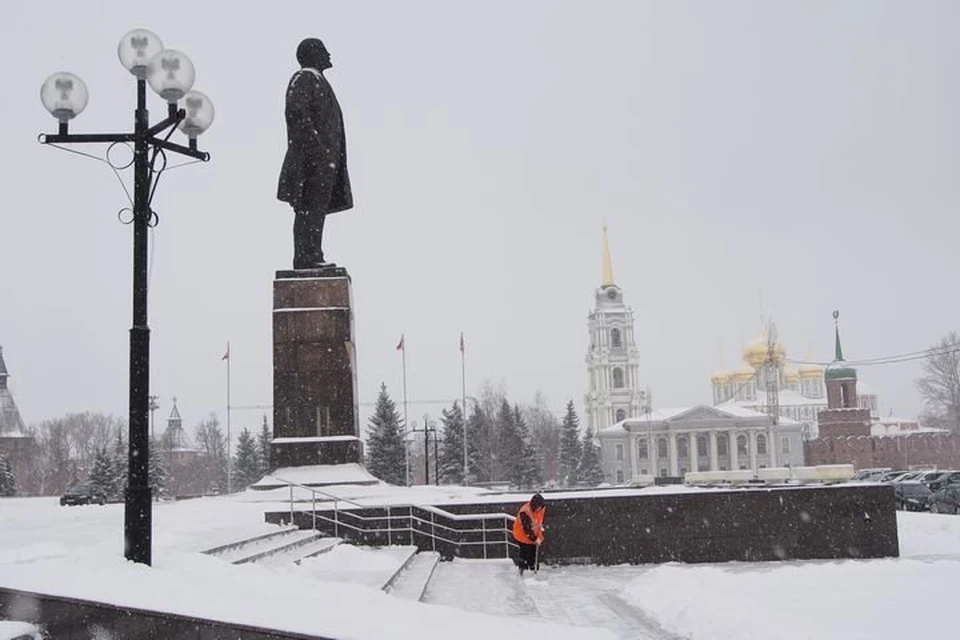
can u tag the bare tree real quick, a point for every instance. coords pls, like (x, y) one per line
(939, 386)
(545, 434)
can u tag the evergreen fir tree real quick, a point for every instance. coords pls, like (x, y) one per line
(589, 472)
(263, 448)
(506, 455)
(451, 446)
(246, 461)
(530, 465)
(8, 484)
(570, 447)
(386, 455)
(157, 470)
(102, 476)
(120, 465)
(478, 450)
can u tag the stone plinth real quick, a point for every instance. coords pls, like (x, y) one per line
(315, 413)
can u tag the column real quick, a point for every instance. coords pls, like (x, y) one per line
(714, 464)
(652, 453)
(752, 449)
(771, 447)
(634, 458)
(692, 439)
(732, 457)
(672, 450)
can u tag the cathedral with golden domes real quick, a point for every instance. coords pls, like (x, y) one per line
(801, 393)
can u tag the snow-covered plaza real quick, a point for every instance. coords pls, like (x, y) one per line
(77, 552)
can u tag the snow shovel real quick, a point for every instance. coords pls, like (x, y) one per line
(536, 560)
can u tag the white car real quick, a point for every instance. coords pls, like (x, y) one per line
(13, 630)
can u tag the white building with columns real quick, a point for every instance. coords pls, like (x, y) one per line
(615, 391)
(671, 442)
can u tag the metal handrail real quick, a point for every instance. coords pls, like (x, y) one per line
(410, 519)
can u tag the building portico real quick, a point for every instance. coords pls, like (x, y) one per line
(672, 442)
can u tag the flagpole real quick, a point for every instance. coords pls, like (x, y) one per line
(406, 448)
(463, 406)
(229, 458)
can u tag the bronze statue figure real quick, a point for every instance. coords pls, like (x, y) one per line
(314, 178)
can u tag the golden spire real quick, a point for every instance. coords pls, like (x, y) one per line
(607, 264)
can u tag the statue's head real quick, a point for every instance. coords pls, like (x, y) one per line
(311, 53)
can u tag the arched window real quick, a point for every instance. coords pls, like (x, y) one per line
(761, 444)
(721, 445)
(741, 445)
(621, 415)
(618, 378)
(662, 448)
(642, 448)
(683, 450)
(615, 341)
(703, 449)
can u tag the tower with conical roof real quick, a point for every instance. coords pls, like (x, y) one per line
(615, 391)
(11, 424)
(843, 415)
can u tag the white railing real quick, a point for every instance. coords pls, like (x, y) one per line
(412, 521)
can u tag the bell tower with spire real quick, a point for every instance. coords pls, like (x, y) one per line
(843, 415)
(613, 361)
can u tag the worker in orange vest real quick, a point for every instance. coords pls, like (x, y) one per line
(528, 532)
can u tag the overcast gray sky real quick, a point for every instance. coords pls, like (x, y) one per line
(805, 150)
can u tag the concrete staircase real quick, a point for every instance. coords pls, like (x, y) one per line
(410, 582)
(285, 546)
(405, 573)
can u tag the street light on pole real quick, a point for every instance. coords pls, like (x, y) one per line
(171, 75)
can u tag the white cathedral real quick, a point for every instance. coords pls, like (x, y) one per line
(613, 361)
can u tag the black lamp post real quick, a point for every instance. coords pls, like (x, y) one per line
(64, 95)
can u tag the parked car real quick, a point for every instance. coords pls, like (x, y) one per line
(910, 475)
(937, 479)
(891, 476)
(869, 475)
(945, 500)
(911, 495)
(82, 493)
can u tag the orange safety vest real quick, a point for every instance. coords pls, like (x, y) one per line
(536, 520)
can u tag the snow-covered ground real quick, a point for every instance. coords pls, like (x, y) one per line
(77, 551)
(842, 599)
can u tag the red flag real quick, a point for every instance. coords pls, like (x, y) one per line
(400, 344)
(461, 342)
(226, 356)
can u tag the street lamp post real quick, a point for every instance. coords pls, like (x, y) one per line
(64, 95)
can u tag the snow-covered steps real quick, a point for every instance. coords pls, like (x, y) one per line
(369, 566)
(297, 554)
(263, 546)
(230, 546)
(411, 582)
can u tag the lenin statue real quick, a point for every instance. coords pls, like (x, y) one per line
(314, 178)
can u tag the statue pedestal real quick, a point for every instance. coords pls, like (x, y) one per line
(315, 412)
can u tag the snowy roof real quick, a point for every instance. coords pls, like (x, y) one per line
(732, 410)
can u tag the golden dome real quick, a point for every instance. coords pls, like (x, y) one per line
(757, 352)
(743, 374)
(720, 377)
(811, 371)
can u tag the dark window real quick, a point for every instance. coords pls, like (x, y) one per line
(621, 415)
(703, 449)
(619, 452)
(619, 475)
(615, 338)
(683, 450)
(618, 378)
(722, 445)
(761, 444)
(742, 445)
(662, 448)
(641, 448)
